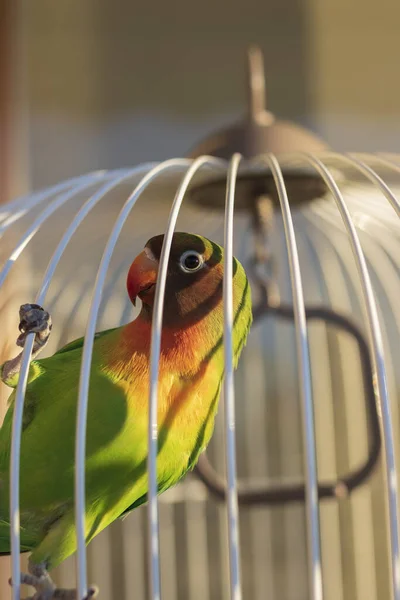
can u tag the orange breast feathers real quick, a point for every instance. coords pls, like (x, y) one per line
(188, 378)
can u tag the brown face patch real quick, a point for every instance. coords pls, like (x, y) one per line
(189, 296)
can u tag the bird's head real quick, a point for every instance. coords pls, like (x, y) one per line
(194, 277)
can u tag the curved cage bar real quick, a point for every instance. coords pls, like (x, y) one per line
(229, 385)
(155, 350)
(85, 376)
(353, 215)
(304, 385)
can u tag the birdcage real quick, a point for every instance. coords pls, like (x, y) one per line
(296, 496)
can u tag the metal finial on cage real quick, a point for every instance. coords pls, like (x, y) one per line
(256, 89)
(258, 132)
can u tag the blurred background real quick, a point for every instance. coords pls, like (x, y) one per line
(99, 85)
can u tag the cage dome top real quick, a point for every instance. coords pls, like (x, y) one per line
(259, 133)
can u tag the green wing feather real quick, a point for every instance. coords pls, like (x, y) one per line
(75, 344)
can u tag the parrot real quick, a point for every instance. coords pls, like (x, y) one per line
(191, 370)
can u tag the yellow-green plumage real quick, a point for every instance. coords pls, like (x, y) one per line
(190, 374)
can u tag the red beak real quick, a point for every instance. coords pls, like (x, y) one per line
(142, 276)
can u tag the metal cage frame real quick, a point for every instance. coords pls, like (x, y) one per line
(377, 393)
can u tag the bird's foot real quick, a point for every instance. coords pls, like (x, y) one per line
(46, 589)
(34, 319)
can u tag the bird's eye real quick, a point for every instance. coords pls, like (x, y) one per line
(191, 261)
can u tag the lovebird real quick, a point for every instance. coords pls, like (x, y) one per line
(191, 370)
